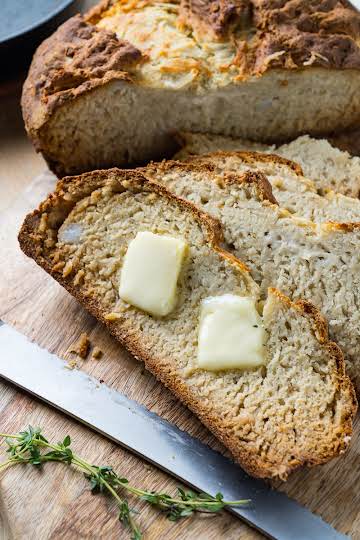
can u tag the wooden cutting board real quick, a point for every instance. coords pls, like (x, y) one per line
(56, 503)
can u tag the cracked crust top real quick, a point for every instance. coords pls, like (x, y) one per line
(203, 40)
(282, 33)
(76, 58)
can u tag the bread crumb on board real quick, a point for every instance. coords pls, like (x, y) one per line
(82, 346)
(97, 353)
(72, 364)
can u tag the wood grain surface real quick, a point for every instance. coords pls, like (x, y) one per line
(55, 503)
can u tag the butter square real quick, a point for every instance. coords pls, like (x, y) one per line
(231, 334)
(150, 272)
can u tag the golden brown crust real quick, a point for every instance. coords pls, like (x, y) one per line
(72, 189)
(269, 34)
(343, 227)
(77, 58)
(216, 16)
(281, 33)
(251, 158)
(95, 13)
(343, 382)
(313, 33)
(285, 34)
(259, 179)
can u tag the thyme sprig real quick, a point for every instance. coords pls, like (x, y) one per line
(31, 447)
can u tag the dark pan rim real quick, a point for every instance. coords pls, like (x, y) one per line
(33, 26)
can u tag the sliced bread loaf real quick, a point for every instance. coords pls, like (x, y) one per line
(291, 189)
(320, 263)
(296, 409)
(328, 167)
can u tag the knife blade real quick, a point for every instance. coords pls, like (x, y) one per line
(151, 437)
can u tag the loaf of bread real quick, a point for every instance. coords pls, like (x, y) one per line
(291, 189)
(297, 409)
(327, 166)
(111, 87)
(320, 263)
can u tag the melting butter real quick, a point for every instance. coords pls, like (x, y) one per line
(150, 272)
(231, 334)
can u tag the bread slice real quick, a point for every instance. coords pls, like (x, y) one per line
(291, 189)
(320, 263)
(196, 143)
(296, 410)
(133, 73)
(327, 166)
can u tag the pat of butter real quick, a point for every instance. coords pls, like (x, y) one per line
(231, 334)
(150, 272)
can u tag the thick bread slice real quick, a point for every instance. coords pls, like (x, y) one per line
(292, 191)
(295, 410)
(328, 167)
(135, 72)
(320, 263)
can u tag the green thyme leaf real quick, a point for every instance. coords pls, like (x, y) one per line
(31, 447)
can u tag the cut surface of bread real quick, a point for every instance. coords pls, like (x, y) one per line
(134, 72)
(328, 167)
(320, 263)
(195, 144)
(291, 189)
(296, 409)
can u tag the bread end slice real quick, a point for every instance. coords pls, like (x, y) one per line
(295, 410)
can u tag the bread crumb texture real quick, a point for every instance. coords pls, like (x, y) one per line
(82, 346)
(327, 168)
(97, 353)
(305, 260)
(295, 410)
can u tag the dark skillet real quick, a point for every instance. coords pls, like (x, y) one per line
(23, 25)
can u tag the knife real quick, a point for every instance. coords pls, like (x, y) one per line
(151, 437)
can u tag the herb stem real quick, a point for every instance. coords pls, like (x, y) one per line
(28, 448)
(7, 463)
